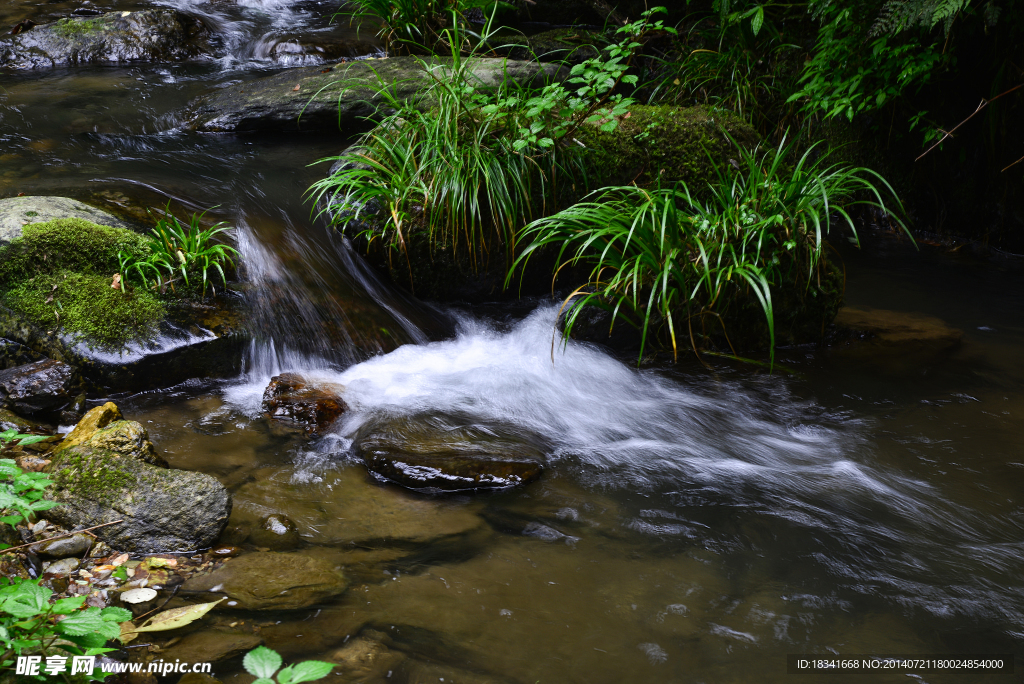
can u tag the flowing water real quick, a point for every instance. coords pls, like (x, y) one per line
(691, 525)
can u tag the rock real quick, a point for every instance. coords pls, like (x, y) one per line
(159, 35)
(347, 507)
(296, 51)
(365, 660)
(211, 646)
(271, 581)
(128, 438)
(897, 329)
(292, 398)
(63, 566)
(40, 387)
(12, 421)
(96, 419)
(339, 99)
(198, 678)
(75, 545)
(276, 532)
(571, 45)
(13, 354)
(16, 212)
(73, 412)
(162, 510)
(432, 455)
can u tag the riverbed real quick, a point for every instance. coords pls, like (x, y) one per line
(692, 524)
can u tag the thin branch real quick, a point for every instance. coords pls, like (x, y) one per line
(984, 103)
(62, 536)
(1014, 163)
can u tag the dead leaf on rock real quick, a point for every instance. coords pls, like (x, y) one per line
(296, 88)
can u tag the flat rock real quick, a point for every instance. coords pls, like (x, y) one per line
(271, 581)
(16, 212)
(40, 387)
(901, 329)
(346, 506)
(161, 510)
(313, 406)
(158, 35)
(211, 646)
(75, 545)
(337, 98)
(439, 455)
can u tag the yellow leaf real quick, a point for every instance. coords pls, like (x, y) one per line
(176, 617)
(128, 632)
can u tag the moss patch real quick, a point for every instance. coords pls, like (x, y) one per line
(58, 274)
(68, 27)
(663, 142)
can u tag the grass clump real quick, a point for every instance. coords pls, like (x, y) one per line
(58, 274)
(413, 24)
(662, 259)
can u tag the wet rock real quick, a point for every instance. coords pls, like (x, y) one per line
(306, 51)
(161, 509)
(40, 387)
(159, 35)
(12, 421)
(271, 581)
(73, 412)
(198, 678)
(346, 506)
(276, 532)
(290, 397)
(211, 646)
(434, 454)
(75, 545)
(13, 354)
(897, 329)
(572, 45)
(365, 660)
(63, 566)
(336, 99)
(16, 212)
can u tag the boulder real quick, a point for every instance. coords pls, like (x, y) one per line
(41, 387)
(337, 98)
(432, 455)
(296, 51)
(158, 35)
(211, 646)
(16, 212)
(271, 581)
(104, 473)
(313, 406)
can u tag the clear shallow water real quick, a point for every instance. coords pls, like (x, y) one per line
(691, 526)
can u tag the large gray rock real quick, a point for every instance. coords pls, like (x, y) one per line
(162, 510)
(271, 581)
(339, 97)
(40, 387)
(158, 35)
(16, 212)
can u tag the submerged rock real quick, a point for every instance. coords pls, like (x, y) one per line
(271, 581)
(347, 507)
(313, 406)
(436, 455)
(211, 646)
(161, 509)
(897, 329)
(16, 212)
(40, 387)
(337, 98)
(276, 532)
(157, 35)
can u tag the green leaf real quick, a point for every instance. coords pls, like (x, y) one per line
(68, 605)
(27, 600)
(114, 614)
(32, 439)
(79, 624)
(262, 662)
(311, 670)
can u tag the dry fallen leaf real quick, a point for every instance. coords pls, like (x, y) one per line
(116, 282)
(176, 617)
(296, 88)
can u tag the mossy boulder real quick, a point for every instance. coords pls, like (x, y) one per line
(18, 212)
(157, 35)
(161, 509)
(340, 98)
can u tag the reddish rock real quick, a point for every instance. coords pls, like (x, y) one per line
(291, 398)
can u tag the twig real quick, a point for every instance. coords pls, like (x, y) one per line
(61, 536)
(984, 103)
(1014, 163)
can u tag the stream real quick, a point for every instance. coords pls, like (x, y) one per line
(691, 525)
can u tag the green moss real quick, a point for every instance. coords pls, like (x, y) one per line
(67, 244)
(58, 275)
(86, 305)
(91, 475)
(68, 27)
(663, 142)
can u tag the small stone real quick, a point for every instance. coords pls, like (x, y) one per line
(276, 532)
(75, 545)
(63, 566)
(293, 398)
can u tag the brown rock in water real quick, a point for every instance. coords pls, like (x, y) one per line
(211, 646)
(908, 331)
(271, 581)
(292, 398)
